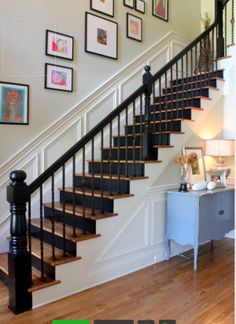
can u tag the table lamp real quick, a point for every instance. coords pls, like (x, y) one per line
(220, 149)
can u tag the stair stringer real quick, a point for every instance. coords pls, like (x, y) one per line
(133, 239)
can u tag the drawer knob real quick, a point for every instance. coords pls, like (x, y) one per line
(221, 212)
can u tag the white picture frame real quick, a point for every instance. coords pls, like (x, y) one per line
(197, 173)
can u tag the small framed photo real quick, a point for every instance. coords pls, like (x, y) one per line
(134, 27)
(59, 45)
(197, 172)
(103, 6)
(14, 103)
(217, 176)
(58, 77)
(129, 3)
(140, 6)
(101, 36)
(160, 9)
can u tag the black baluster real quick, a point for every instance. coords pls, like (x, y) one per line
(232, 21)
(134, 139)
(187, 76)
(171, 99)
(160, 110)
(41, 231)
(73, 195)
(182, 88)
(19, 260)
(191, 66)
(118, 154)
(126, 142)
(64, 211)
(93, 211)
(148, 153)
(110, 161)
(29, 228)
(177, 85)
(212, 49)
(102, 193)
(141, 127)
(53, 219)
(220, 32)
(226, 39)
(166, 108)
(83, 187)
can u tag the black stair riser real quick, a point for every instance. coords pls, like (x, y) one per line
(84, 200)
(4, 277)
(47, 237)
(195, 102)
(180, 95)
(192, 85)
(162, 139)
(165, 126)
(186, 113)
(132, 154)
(108, 185)
(48, 269)
(70, 219)
(132, 170)
(203, 76)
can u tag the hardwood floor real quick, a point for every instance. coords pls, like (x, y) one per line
(168, 290)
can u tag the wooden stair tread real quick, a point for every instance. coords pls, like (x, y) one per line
(97, 193)
(186, 90)
(161, 121)
(171, 110)
(132, 147)
(185, 83)
(47, 250)
(223, 58)
(113, 176)
(47, 226)
(4, 262)
(128, 161)
(153, 133)
(79, 211)
(180, 99)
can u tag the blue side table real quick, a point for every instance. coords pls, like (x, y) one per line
(197, 217)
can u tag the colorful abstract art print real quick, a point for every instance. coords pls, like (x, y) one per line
(14, 103)
(160, 9)
(134, 27)
(101, 36)
(58, 77)
(129, 3)
(59, 45)
(103, 6)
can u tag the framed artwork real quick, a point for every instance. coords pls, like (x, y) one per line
(218, 176)
(59, 45)
(160, 9)
(134, 27)
(104, 6)
(140, 6)
(129, 3)
(14, 103)
(101, 36)
(197, 172)
(58, 77)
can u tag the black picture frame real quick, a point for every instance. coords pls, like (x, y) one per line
(59, 54)
(162, 17)
(129, 6)
(94, 8)
(96, 43)
(58, 84)
(128, 32)
(137, 8)
(19, 91)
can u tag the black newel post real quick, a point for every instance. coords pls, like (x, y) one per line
(220, 31)
(19, 261)
(148, 153)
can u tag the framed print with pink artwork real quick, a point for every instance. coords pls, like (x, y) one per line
(134, 27)
(59, 45)
(101, 36)
(58, 77)
(14, 103)
(160, 9)
(103, 6)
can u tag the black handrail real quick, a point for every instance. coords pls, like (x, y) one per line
(88, 137)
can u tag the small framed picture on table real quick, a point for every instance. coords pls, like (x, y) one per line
(217, 176)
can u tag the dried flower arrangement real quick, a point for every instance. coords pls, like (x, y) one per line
(190, 159)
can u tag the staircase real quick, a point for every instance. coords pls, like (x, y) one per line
(80, 189)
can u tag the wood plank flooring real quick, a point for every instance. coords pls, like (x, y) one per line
(167, 290)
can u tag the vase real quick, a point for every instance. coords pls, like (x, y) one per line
(184, 177)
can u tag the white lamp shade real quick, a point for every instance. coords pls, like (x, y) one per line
(219, 147)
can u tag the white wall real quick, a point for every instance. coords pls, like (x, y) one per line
(22, 58)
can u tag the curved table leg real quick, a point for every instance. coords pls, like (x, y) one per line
(167, 248)
(195, 248)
